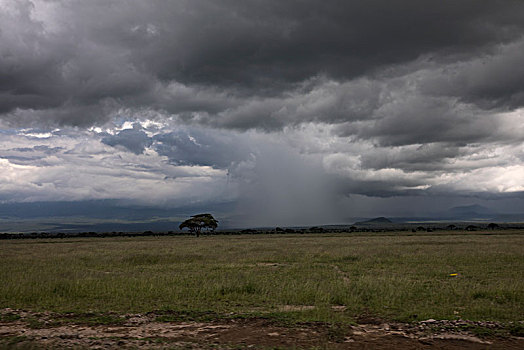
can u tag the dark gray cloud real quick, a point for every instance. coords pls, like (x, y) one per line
(492, 79)
(77, 62)
(420, 120)
(427, 157)
(252, 42)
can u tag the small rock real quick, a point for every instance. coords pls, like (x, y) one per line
(431, 320)
(339, 308)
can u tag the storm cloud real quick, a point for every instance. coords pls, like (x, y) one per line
(76, 62)
(345, 98)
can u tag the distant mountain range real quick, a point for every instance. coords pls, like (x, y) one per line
(112, 215)
(380, 221)
(480, 213)
(471, 211)
(468, 213)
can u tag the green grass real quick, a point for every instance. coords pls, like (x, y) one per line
(9, 317)
(293, 278)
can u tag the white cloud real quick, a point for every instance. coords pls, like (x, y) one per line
(80, 167)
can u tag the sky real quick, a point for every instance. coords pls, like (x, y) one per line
(264, 112)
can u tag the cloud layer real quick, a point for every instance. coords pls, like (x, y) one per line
(271, 104)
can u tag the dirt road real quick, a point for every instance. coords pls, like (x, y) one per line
(22, 329)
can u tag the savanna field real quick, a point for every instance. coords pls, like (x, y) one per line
(288, 279)
(399, 276)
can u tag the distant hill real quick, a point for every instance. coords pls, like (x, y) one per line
(380, 220)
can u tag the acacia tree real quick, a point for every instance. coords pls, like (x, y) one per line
(196, 223)
(493, 226)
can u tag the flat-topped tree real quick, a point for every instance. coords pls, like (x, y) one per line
(196, 223)
(493, 226)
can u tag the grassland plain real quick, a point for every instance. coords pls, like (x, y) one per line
(291, 278)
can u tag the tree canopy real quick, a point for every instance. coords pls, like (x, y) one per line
(196, 223)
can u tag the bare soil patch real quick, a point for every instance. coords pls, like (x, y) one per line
(24, 329)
